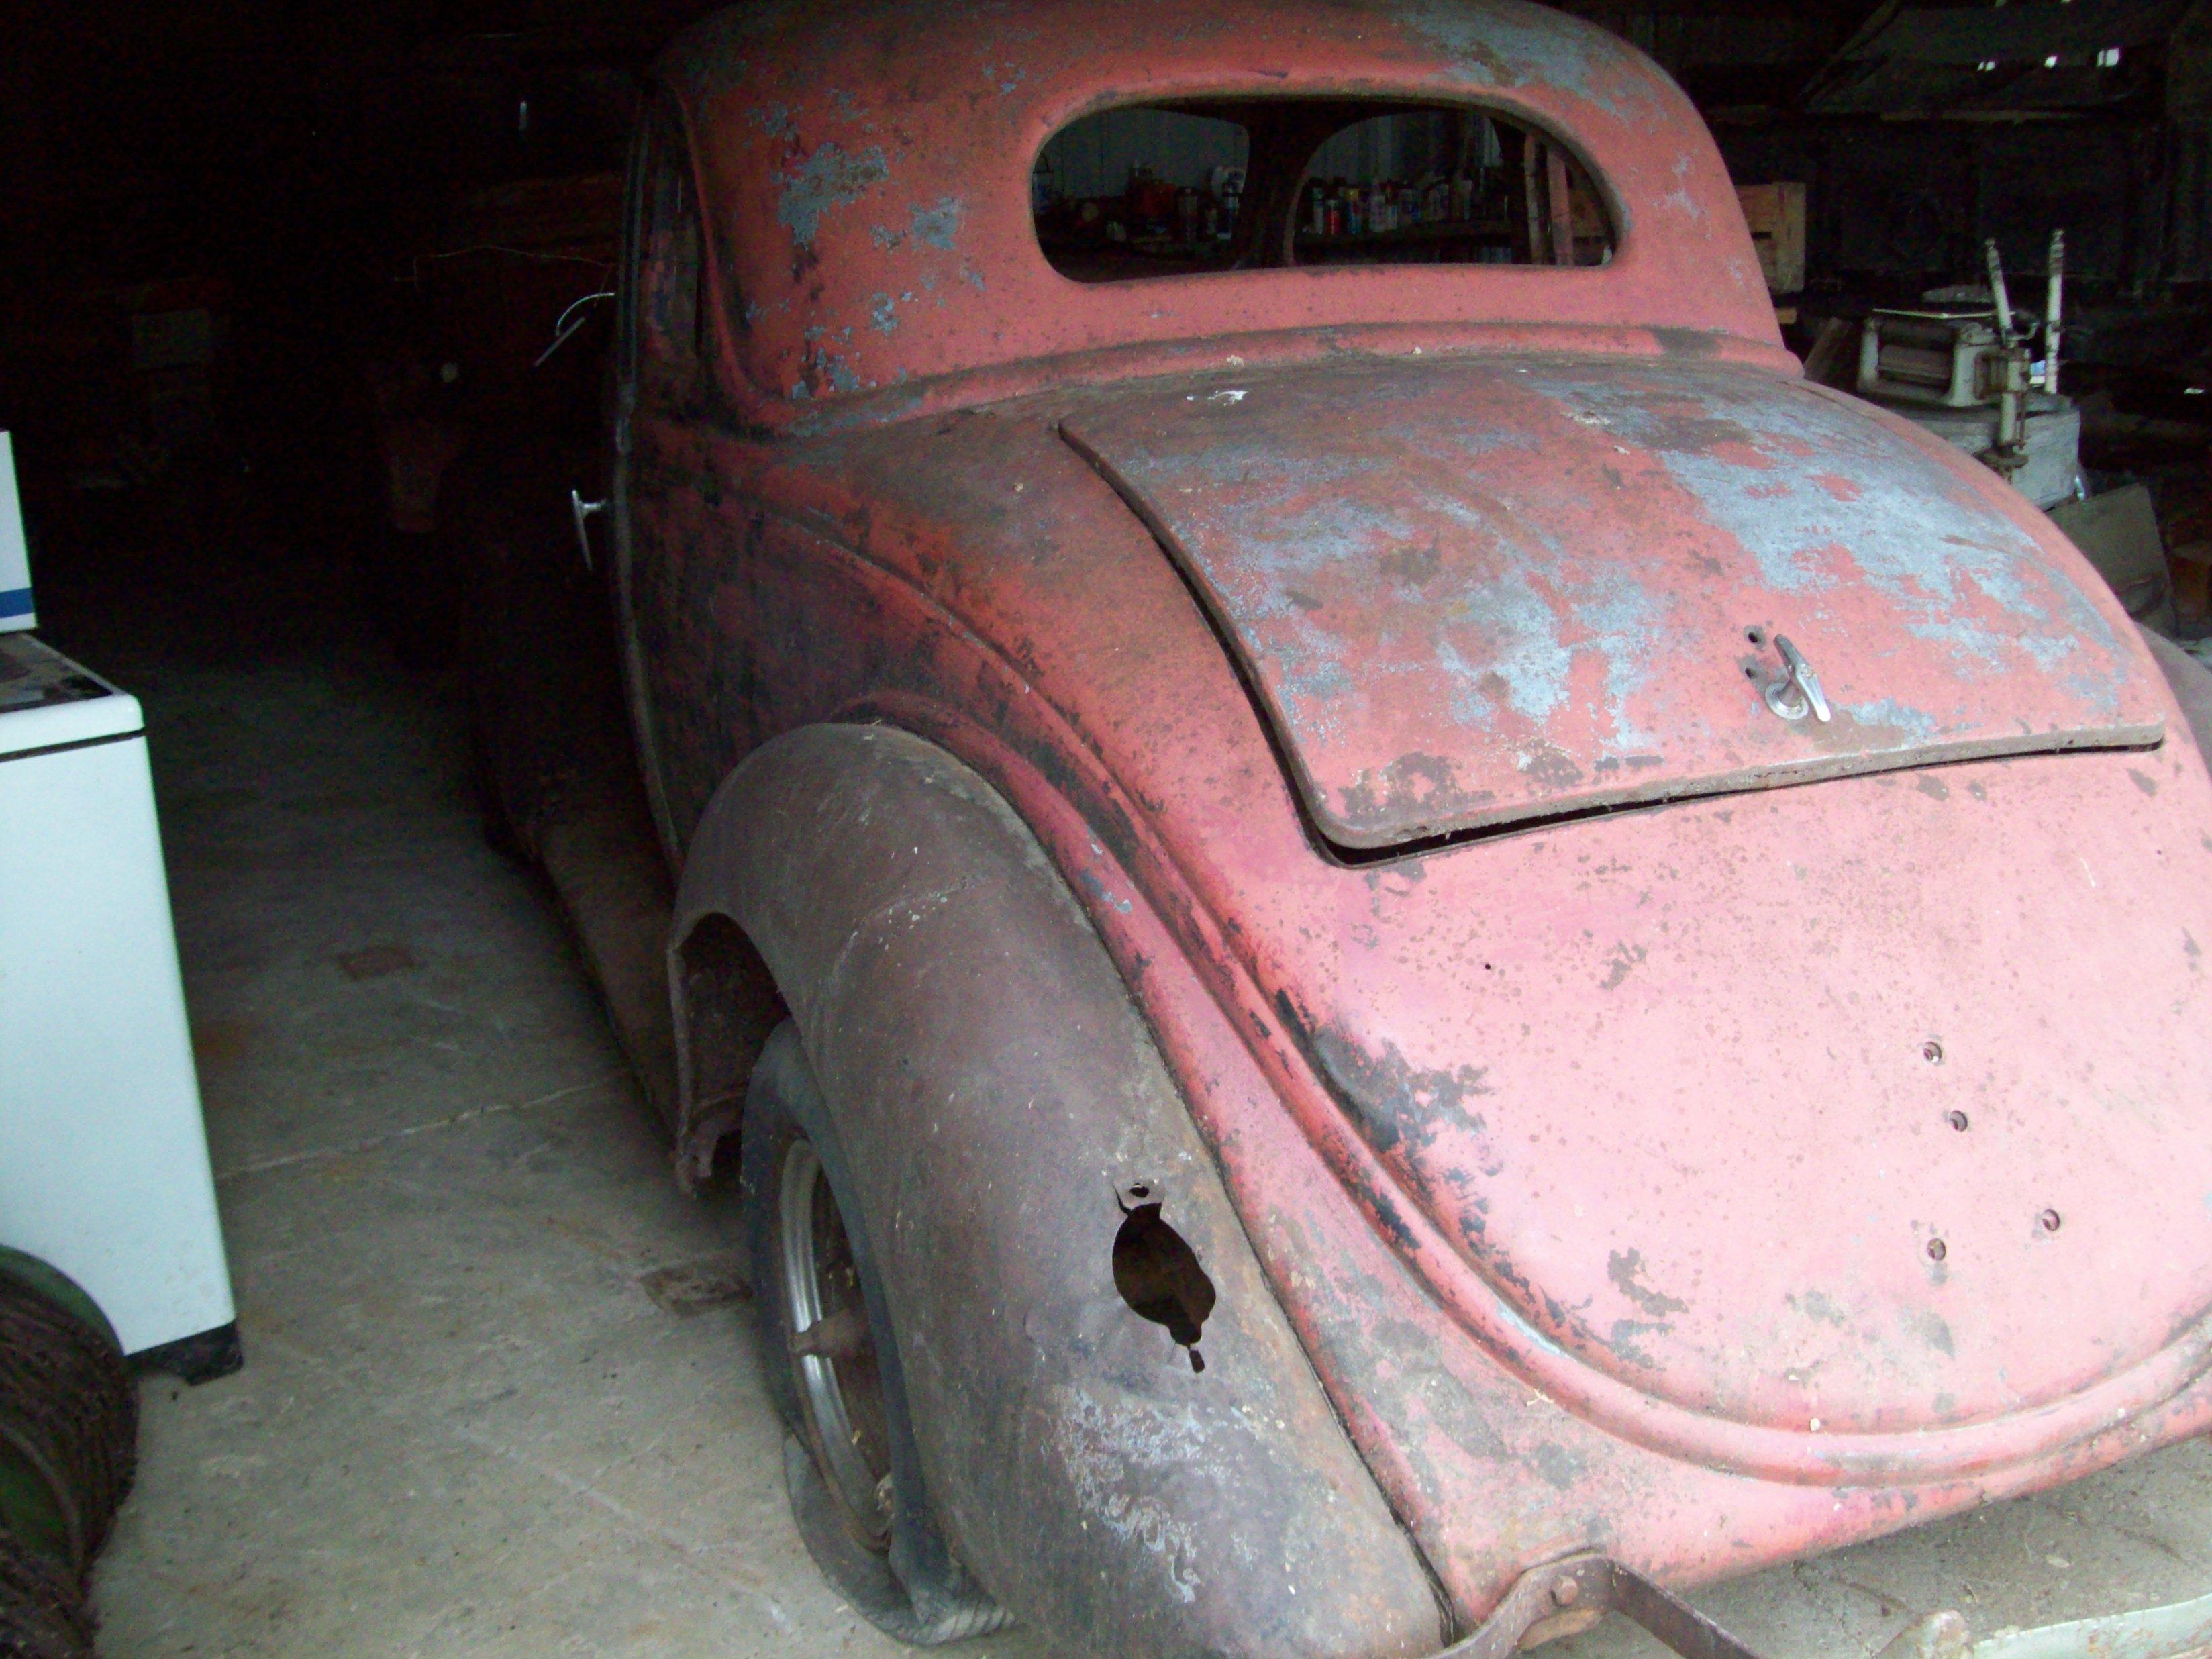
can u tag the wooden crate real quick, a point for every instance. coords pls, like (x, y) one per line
(1776, 214)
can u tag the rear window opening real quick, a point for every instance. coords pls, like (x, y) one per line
(1176, 190)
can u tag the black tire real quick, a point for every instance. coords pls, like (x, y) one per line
(69, 1417)
(42, 1610)
(850, 1461)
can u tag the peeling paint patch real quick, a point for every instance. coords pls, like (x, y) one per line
(832, 177)
(1624, 961)
(1099, 890)
(1911, 725)
(1816, 1305)
(1622, 1340)
(1400, 1103)
(1930, 1329)
(1419, 783)
(939, 223)
(1625, 1270)
(1495, 50)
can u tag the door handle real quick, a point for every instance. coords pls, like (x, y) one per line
(585, 513)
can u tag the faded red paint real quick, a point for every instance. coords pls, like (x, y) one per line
(1596, 1162)
(1473, 595)
(878, 166)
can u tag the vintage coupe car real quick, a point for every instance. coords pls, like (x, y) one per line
(1400, 941)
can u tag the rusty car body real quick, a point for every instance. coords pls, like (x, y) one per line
(1608, 943)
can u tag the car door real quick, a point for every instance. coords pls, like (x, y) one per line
(659, 378)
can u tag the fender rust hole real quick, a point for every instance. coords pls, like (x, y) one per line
(1158, 1275)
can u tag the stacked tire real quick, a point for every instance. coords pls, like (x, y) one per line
(68, 1433)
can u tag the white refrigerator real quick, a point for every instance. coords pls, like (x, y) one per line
(104, 1167)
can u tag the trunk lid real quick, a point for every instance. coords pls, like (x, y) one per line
(1474, 594)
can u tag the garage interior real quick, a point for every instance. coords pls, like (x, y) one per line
(290, 294)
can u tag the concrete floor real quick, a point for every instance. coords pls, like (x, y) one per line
(466, 1425)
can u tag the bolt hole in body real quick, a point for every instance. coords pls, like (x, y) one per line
(2049, 1221)
(1957, 1120)
(1932, 1052)
(840, 1386)
(1158, 1273)
(1937, 1249)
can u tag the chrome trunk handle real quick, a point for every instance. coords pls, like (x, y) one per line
(1797, 693)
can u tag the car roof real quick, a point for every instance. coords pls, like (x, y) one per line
(864, 170)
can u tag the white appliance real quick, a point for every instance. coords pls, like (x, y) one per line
(15, 610)
(103, 1158)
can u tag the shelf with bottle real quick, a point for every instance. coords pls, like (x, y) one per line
(1150, 216)
(1339, 210)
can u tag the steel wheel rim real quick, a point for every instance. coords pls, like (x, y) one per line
(811, 1241)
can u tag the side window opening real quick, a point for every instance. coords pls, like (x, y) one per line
(1226, 184)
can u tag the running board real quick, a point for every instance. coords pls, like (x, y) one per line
(615, 891)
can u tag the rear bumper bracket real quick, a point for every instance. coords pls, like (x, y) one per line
(1569, 1596)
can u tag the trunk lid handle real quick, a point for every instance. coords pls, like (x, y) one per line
(1797, 693)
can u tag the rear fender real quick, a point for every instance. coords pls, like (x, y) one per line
(999, 1096)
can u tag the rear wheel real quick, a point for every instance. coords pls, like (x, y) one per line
(827, 1353)
(834, 1378)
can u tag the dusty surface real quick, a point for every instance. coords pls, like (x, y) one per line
(466, 1424)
